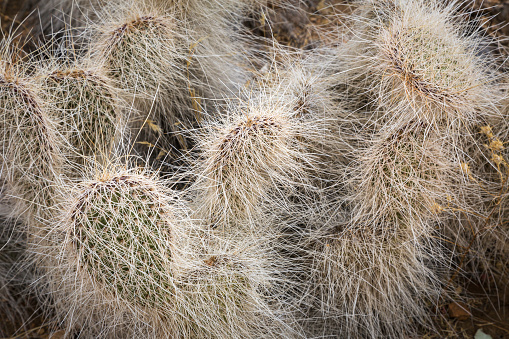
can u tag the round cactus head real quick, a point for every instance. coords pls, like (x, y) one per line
(266, 148)
(243, 159)
(402, 177)
(88, 109)
(124, 232)
(415, 59)
(259, 133)
(139, 50)
(144, 51)
(433, 67)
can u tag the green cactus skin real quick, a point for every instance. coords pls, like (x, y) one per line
(122, 229)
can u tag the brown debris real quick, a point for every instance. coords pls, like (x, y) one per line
(459, 311)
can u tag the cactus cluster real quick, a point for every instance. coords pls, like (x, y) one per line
(166, 184)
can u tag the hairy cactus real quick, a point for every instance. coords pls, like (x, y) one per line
(337, 193)
(89, 109)
(30, 143)
(242, 159)
(420, 88)
(266, 147)
(404, 176)
(236, 293)
(168, 68)
(123, 229)
(372, 284)
(117, 242)
(142, 51)
(376, 264)
(263, 166)
(415, 59)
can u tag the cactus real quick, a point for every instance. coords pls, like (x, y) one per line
(419, 89)
(241, 161)
(403, 176)
(124, 232)
(263, 149)
(169, 68)
(376, 264)
(263, 166)
(140, 49)
(340, 193)
(89, 109)
(113, 258)
(236, 293)
(415, 59)
(30, 142)
(418, 63)
(374, 284)
(144, 54)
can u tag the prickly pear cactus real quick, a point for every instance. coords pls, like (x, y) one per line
(89, 110)
(30, 142)
(138, 51)
(123, 230)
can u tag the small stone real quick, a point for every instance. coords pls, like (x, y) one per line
(481, 335)
(459, 310)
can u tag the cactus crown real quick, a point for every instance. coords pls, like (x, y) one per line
(14, 90)
(258, 132)
(136, 27)
(122, 229)
(415, 59)
(240, 158)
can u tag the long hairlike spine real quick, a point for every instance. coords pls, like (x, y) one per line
(421, 89)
